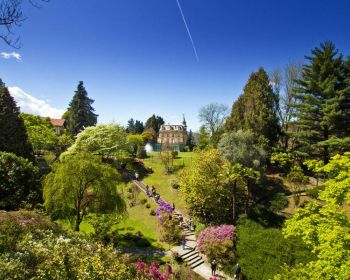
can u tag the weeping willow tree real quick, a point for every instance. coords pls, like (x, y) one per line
(82, 184)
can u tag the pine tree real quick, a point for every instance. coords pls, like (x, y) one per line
(13, 135)
(323, 107)
(130, 128)
(80, 113)
(190, 140)
(139, 128)
(256, 109)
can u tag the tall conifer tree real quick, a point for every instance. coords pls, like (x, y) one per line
(323, 107)
(80, 113)
(256, 109)
(13, 134)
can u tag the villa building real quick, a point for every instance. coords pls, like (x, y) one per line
(172, 136)
(58, 125)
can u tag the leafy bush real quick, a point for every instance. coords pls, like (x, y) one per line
(314, 193)
(174, 154)
(142, 242)
(278, 202)
(41, 251)
(168, 227)
(174, 184)
(141, 152)
(19, 182)
(261, 250)
(217, 243)
(152, 213)
(283, 161)
(143, 201)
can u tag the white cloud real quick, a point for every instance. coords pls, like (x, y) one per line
(31, 105)
(14, 55)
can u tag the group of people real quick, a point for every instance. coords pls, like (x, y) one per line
(152, 193)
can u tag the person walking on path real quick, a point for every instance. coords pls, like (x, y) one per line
(190, 223)
(183, 242)
(237, 271)
(213, 267)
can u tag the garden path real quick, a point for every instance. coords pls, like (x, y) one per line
(189, 254)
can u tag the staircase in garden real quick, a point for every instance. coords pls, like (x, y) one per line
(190, 254)
(191, 257)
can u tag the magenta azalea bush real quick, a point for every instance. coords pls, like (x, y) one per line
(217, 243)
(152, 271)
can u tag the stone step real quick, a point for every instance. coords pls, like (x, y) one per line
(190, 255)
(194, 260)
(194, 265)
(189, 252)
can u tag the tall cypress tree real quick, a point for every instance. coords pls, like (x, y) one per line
(323, 107)
(80, 113)
(13, 135)
(256, 109)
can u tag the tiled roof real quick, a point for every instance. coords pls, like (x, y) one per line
(57, 122)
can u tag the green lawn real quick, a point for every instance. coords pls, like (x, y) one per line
(161, 181)
(140, 220)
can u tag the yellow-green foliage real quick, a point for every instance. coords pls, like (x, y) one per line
(324, 227)
(205, 189)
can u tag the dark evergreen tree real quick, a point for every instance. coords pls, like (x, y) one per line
(322, 114)
(130, 128)
(190, 140)
(256, 109)
(139, 128)
(80, 113)
(13, 135)
(154, 122)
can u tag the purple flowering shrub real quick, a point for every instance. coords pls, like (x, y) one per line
(217, 243)
(163, 207)
(168, 227)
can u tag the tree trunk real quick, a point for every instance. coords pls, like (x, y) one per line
(78, 220)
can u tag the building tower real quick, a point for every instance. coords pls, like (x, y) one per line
(184, 121)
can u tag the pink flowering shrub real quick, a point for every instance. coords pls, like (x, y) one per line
(217, 243)
(152, 271)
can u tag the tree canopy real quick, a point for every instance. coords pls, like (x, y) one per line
(80, 113)
(205, 188)
(103, 139)
(81, 184)
(40, 132)
(324, 227)
(19, 182)
(322, 110)
(256, 109)
(13, 136)
(154, 122)
(241, 147)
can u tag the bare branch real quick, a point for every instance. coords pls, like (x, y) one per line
(11, 15)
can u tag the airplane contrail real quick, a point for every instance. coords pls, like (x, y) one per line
(188, 30)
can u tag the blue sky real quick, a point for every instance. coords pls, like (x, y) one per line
(136, 59)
